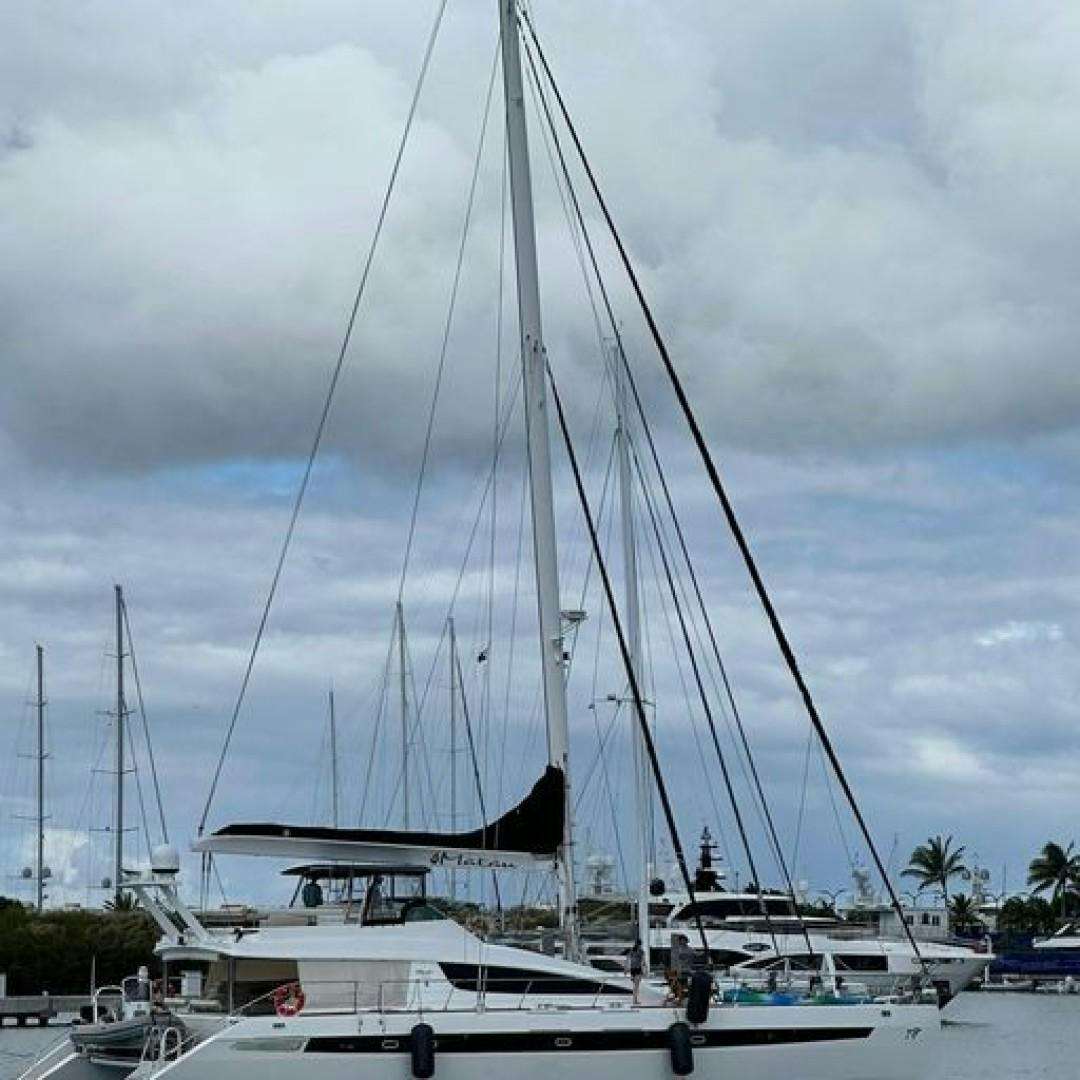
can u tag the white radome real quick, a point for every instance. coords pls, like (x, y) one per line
(165, 859)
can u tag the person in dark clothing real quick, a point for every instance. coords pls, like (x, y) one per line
(635, 964)
(679, 966)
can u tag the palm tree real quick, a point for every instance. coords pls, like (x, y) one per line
(935, 863)
(1055, 868)
(963, 912)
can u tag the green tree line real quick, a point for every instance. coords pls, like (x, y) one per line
(55, 951)
(1055, 870)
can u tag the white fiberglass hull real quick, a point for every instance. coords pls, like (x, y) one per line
(954, 965)
(847, 1042)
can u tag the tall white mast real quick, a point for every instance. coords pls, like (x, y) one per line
(335, 816)
(118, 860)
(404, 686)
(39, 866)
(453, 742)
(539, 450)
(633, 635)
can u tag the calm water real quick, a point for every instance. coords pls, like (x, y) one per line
(988, 1037)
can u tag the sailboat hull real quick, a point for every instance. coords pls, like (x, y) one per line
(843, 1042)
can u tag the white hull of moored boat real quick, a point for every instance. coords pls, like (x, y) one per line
(843, 1042)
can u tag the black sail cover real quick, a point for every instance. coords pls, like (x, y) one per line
(529, 833)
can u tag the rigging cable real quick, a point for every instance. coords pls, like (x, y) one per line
(726, 505)
(762, 804)
(375, 733)
(145, 724)
(693, 658)
(601, 758)
(690, 712)
(511, 650)
(476, 767)
(624, 650)
(451, 308)
(324, 415)
(490, 477)
(703, 696)
(420, 740)
(746, 760)
(802, 801)
(138, 790)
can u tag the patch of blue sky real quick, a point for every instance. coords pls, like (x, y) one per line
(982, 503)
(258, 478)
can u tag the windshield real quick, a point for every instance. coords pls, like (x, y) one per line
(734, 907)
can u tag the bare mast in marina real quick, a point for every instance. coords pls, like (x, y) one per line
(335, 815)
(118, 839)
(39, 863)
(403, 686)
(453, 742)
(534, 364)
(633, 635)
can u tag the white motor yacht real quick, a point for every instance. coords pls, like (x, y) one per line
(756, 937)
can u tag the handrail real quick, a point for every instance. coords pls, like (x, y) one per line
(99, 992)
(428, 995)
(155, 1052)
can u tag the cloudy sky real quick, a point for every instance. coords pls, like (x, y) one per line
(857, 223)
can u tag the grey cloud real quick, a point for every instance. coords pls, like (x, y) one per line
(871, 248)
(858, 229)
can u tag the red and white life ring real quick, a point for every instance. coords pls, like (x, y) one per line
(289, 999)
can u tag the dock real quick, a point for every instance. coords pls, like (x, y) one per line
(42, 1009)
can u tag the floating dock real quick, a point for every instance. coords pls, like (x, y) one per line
(42, 1009)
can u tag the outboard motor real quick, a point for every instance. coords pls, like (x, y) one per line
(682, 1053)
(423, 1051)
(698, 998)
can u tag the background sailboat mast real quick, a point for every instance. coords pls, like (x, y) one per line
(118, 860)
(539, 449)
(335, 815)
(404, 688)
(453, 743)
(633, 640)
(39, 866)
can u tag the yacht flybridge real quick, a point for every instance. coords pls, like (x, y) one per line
(396, 991)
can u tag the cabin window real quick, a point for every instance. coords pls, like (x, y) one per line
(721, 958)
(857, 962)
(511, 980)
(253, 982)
(734, 907)
(725, 958)
(799, 962)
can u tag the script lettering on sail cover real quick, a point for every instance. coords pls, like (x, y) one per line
(457, 860)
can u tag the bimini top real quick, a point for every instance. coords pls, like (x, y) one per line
(528, 834)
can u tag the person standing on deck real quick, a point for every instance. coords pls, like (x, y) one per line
(635, 963)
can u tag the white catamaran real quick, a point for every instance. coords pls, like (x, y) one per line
(387, 987)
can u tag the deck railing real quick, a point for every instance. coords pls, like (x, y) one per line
(434, 995)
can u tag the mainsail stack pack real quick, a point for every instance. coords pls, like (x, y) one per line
(524, 837)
